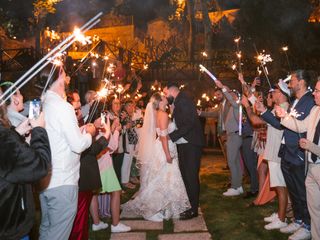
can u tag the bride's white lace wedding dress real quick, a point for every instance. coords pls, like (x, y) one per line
(162, 189)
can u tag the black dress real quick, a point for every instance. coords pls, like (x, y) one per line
(89, 170)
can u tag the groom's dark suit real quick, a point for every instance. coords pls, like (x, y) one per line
(189, 127)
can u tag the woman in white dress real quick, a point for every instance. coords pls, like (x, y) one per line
(162, 194)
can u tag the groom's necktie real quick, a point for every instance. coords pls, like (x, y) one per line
(314, 157)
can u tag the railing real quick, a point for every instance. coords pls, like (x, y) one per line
(17, 59)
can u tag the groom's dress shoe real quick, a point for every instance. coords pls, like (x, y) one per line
(188, 215)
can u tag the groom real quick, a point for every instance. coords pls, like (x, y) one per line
(190, 139)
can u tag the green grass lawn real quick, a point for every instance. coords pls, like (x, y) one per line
(231, 217)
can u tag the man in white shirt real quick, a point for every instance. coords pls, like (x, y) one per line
(59, 199)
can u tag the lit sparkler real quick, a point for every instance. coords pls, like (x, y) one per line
(204, 54)
(285, 49)
(238, 53)
(263, 59)
(102, 93)
(204, 69)
(80, 37)
(234, 67)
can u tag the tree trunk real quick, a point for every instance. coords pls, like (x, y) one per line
(207, 28)
(38, 31)
(190, 8)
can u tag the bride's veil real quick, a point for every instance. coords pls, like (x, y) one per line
(147, 135)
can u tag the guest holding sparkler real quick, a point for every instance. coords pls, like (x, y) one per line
(21, 164)
(89, 180)
(228, 119)
(117, 156)
(311, 124)
(67, 143)
(90, 97)
(14, 105)
(292, 157)
(131, 140)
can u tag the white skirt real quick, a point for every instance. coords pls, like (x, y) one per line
(276, 176)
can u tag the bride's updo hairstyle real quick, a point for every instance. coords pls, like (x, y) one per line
(156, 99)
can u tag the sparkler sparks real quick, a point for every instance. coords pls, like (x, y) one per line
(236, 40)
(294, 113)
(204, 54)
(264, 58)
(285, 48)
(259, 71)
(79, 36)
(103, 93)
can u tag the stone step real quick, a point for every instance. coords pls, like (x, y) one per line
(143, 225)
(130, 215)
(193, 225)
(185, 236)
(129, 236)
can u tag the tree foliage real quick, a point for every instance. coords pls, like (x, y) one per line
(43, 7)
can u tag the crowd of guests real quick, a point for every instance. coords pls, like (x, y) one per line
(98, 141)
(71, 155)
(279, 147)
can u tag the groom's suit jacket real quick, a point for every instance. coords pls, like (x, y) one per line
(187, 121)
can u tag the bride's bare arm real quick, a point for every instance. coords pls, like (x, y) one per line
(163, 120)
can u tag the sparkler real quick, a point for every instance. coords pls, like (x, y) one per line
(234, 67)
(259, 71)
(263, 59)
(294, 114)
(238, 53)
(119, 90)
(204, 69)
(204, 54)
(25, 78)
(285, 49)
(240, 116)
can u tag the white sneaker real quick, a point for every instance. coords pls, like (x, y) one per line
(232, 192)
(271, 218)
(240, 189)
(301, 234)
(291, 228)
(158, 217)
(120, 228)
(100, 226)
(276, 224)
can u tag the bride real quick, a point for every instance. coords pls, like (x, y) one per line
(162, 193)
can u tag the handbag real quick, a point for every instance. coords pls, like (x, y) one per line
(132, 136)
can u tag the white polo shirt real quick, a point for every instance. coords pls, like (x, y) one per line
(66, 140)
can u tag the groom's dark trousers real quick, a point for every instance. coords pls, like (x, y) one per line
(189, 163)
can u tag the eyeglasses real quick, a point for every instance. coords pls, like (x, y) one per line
(316, 91)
